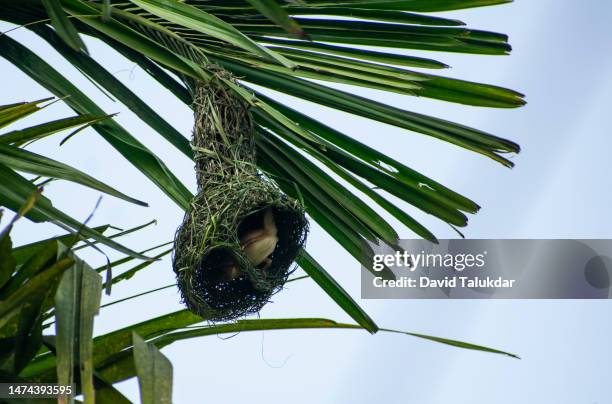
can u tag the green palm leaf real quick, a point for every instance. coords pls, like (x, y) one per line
(22, 160)
(277, 14)
(117, 136)
(282, 46)
(201, 21)
(63, 26)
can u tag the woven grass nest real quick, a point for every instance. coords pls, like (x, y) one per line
(218, 274)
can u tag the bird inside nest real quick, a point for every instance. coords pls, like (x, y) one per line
(258, 238)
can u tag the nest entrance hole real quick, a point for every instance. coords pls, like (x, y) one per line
(219, 261)
(252, 287)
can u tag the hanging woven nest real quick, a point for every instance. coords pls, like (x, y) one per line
(240, 237)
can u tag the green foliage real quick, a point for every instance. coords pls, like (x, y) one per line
(272, 44)
(77, 301)
(63, 26)
(55, 286)
(279, 16)
(154, 372)
(111, 131)
(336, 292)
(15, 190)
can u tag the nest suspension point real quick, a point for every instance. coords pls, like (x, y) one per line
(240, 236)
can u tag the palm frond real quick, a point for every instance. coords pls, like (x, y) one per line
(299, 48)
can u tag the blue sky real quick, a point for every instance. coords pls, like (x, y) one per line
(562, 60)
